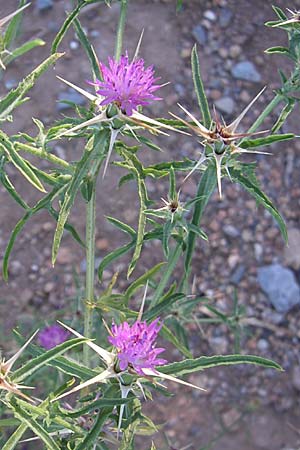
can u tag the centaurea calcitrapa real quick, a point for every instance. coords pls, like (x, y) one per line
(135, 345)
(223, 140)
(52, 336)
(125, 87)
(127, 84)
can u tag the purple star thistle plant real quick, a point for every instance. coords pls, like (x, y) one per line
(127, 84)
(52, 336)
(136, 345)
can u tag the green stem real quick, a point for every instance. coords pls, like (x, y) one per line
(90, 271)
(172, 262)
(42, 154)
(120, 31)
(273, 103)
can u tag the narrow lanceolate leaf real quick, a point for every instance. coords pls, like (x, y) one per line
(19, 162)
(121, 226)
(261, 197)
(206, 362)
(14, 439)
(202, 100)
(88, 49)
(205, 189)
(278, 49)
(167, 334)
(80, 173)
(97, 404)
(24, 49)
(92, 436)
(38, 430)
(285, 112)
(11, 189)
(15, 96)
(108, 259)
(273, 138)
(13, 27)
(34, 364)
(141, 281)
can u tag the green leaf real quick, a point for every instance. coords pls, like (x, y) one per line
(68, 227)
(281, 15)
(172, 188)
(252, 143)
(206, 362)
(11, 189)
(13, 28)
(88, 49)
(34, 364)
(254, 190)
(14, 439)
(15, 96)
(82, 168)
(19, 162)
(167, 334)
(197, 231)
(167, 302)
(102, 403)
(202, 100)
(23, 49)
(113, 256)
(167, 229)
(31, 423)
(142, 280)
(66, 25)
(179, 5)
(285, 112)
(122, 226)
(278, 49)
(205, 189)
(92, 435)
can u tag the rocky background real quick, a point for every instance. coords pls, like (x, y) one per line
(243, 408)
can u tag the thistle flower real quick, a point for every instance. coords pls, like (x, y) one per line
(51, 336)
(127, 84)
(135, 345)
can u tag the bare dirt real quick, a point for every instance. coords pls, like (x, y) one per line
(243, 409)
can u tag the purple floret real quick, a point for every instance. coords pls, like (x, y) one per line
(127, 84)
(136, 345)
(51, 336)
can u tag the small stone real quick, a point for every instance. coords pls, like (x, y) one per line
(245, 96)
(26, 295)
(245, 70)
(225, 17)
(238, 274)
(15, 268)
(49, 287)
(185, 53)
(102, 244)
(43, 5)
(64, 256)
(74, 45)
(231, 231)
(296, 378)
(233, 260)
(10, 84)
(69, 96)
(210, 15)
(235, 51)
(215, 94)
(280, 285)
(200, 34)
(226, 105)
(262, 345)
(223, 52)
(292, 252)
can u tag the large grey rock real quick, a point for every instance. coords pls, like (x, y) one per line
(279, 283)
(246, 70)
(225, 105)
(200, 34)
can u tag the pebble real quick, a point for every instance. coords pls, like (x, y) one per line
(292, 251)
(43, 5)
(225, 17)
(26, 295)
(238, 274)
(10, 84)
(74, 45)
(245, 70)
(210, 15)
(262, 345)
(231, 418)
(64, 256)
(280, 285)
(70, 96)
(235, 51)
(231, 231)
(226, 105)
(49, 287)
(200, 34)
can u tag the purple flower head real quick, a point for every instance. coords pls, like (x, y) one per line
(51, 336)
(136, 345)
(127, 84)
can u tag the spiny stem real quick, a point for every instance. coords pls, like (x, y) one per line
(120, 31)
(90, 270)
